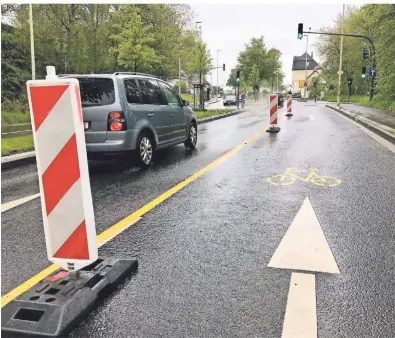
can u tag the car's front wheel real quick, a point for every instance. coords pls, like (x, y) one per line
(145, 150)
(192, 136)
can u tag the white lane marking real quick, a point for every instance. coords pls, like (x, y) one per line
(300, 320)
(13, 204)
(304, 246)
(390, 146)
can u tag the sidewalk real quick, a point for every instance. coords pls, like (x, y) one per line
(382, 122)
(383, 117)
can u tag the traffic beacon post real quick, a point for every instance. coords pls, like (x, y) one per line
(59, 302)
(273, 107)
(289, 106)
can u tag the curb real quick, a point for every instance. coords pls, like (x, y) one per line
(13, 161)
(218, 117)
(383, 133)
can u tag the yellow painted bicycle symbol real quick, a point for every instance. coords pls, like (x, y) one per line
(291, 175)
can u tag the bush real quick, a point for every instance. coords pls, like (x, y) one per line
(183, 86)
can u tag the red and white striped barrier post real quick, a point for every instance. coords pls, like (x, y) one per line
(66, 200)
(273, 107)
(289, 106)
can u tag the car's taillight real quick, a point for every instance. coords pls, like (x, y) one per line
(116, 121)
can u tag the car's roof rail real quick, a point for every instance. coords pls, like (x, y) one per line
(136, 73)
(69, 74)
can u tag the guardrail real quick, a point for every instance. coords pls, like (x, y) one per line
(15, 130)
(16, 133)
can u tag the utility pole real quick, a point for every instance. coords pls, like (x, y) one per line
(32, 42)
(179, 76)
(305, 70)
(341, 60)
(277, 81)
(218, 50)
(201, 100)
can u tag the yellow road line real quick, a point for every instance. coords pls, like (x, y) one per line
(123, 224)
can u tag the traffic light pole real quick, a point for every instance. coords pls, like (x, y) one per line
(373, 53)
(237, 97)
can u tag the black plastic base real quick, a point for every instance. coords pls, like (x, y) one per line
(56, 305)
(273, 129)
(289, 114)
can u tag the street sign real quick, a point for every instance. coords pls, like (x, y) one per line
(372, 72)
(340, 73)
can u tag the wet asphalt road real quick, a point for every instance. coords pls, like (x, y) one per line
(203, 253)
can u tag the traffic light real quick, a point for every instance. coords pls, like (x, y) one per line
(349, 82)
(238, 77)
(300, 31)
(365, 53)
(223, 67)
(363, 72)
(315, 84)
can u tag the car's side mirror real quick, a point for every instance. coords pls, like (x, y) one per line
(185, 103)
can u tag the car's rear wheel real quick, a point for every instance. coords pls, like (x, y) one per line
(145, 150)
(192, 136)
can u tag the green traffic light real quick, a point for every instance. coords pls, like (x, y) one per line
(363, 76)
(238, 80)
(300, 36)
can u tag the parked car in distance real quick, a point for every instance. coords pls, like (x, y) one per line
(230, 100)
(133, 114)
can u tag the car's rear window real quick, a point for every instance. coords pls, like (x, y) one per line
(96, 91)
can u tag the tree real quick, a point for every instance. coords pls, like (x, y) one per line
(376, 21)
(99, 38)
(183, 86)
(256, 59)
(132, 38)
(254, 80)
(15, 65)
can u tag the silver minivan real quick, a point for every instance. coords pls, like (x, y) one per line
(133, 114)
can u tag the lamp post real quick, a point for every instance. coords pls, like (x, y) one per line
(201, 100)
(341, 61)
(32, 42)
(305, 71)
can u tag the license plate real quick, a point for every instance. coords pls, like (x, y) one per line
(86, 125)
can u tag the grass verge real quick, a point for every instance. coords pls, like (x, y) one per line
(189, 98)
(10, 118)
(15, 145)
(361, 100)
(201, 114)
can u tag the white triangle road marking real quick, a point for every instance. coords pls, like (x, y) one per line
(300, 319)
(304, 246)
(13, 204)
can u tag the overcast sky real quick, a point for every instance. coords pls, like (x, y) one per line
(229, 27)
